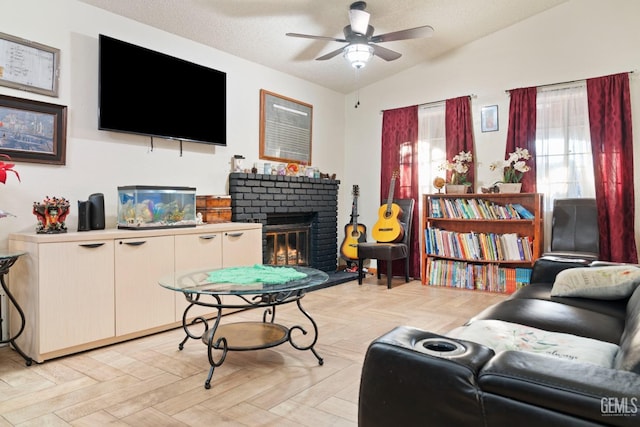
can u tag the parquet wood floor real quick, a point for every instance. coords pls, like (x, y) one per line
(149, 382)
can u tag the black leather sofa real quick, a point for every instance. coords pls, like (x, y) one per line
(412, 377)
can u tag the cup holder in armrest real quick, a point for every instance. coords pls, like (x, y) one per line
(441, 347)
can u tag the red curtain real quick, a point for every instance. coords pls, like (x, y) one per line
(459, 132)
(522, 130)
(400, 135)
(612, 148)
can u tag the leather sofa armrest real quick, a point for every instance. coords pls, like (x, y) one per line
(413, 377)
(546, 268)
(581, 390)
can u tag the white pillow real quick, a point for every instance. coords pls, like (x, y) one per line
(609, 283)
(503, 336)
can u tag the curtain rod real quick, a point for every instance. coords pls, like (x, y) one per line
(428, 103)
(560, 83)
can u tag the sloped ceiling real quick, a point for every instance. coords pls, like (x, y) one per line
(255, 30)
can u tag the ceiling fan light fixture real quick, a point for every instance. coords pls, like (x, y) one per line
(358, 54)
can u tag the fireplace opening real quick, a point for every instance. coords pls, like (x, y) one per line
(288, 239)
(277, 199)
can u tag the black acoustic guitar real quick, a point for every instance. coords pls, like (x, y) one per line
(354, 232)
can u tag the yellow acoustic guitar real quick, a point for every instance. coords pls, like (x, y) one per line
(354, 233)
(389, 228)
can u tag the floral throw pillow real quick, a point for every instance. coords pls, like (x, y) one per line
(504, 336)
(608, 283)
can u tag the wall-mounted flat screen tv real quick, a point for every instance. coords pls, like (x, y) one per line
(145, 92)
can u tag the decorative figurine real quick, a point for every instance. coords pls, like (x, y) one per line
(51, 214)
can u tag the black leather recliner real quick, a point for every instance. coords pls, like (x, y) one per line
(413, 377)
(574, 229)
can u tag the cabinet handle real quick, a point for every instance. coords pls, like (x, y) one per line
(234, 234)
(134, 243)
(209, 237)
(91, 245)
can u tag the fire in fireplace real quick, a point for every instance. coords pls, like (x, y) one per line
(288, 239)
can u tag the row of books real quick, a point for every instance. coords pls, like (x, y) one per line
(485, 277)
(478, 246)
(476, 209)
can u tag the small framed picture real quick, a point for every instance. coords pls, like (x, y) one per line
(489, 118)
(28, 65)
(33, 131)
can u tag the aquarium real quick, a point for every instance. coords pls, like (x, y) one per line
(146, 207)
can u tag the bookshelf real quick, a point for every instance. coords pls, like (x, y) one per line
(481, 241)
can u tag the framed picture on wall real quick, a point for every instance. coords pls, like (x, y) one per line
(285, 129)
(489, 118)
(33, 131)
(28, 65)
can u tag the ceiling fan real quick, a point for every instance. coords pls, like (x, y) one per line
(361, 43)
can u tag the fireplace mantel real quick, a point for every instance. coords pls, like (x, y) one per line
(256, 196)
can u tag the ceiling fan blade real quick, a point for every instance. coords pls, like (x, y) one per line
(330, 54)
(412, 33)
(359, 20)
(307, 36)
(384, 53)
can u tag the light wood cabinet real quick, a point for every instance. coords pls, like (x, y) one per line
(77, 275)
(140, 303)
(196, 251)
(241, 247)
(82, 290)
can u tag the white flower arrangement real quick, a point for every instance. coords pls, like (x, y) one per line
(514, 167)
(459, 166)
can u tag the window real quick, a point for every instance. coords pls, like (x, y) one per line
(431, 144)
(563, 146)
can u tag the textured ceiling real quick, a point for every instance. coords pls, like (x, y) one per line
(255, 30)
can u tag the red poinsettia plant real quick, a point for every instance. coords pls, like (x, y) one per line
(7, 167)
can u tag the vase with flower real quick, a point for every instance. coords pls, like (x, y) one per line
(459, 167)
(513, 169)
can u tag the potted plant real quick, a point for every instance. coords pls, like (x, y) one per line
(459, 167)
(513, 169)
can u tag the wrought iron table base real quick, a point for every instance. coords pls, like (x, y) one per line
(5, 263)
(245, 336)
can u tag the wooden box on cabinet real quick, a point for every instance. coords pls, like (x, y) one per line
(463, 228)
(214, 209)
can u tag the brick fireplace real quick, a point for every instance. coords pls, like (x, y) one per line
(305, 206)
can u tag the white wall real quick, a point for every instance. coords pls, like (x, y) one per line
(576, 40)
(99, 161)
(579, 39)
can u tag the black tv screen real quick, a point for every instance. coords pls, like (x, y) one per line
(149, 93)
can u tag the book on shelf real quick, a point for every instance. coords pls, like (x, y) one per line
(436, 212)
(484, 277)
(524, 213)
(463, 208)
(477, 245)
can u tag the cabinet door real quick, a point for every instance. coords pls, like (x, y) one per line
(141, 303)
(243, 247)
(196, 251)
(76, 300)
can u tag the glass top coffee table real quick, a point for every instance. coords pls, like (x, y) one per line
(200, 288)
